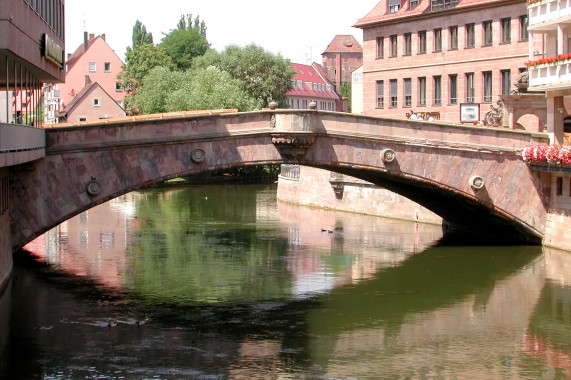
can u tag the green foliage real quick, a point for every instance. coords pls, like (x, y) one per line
(263, 75)
(140, 35)
(345, 91)
(138, 63)
(164, 90)
(186, 42)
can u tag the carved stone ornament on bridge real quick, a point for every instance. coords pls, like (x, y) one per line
(476, 182)
(292, 146)
(197, 155)
(388, 155)
(93, 187)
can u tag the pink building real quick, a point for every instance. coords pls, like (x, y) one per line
(92, 62)
(451, 59)
(311, 85)
(343, 55)
(92, 103)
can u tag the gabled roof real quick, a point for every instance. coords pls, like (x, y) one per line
(344, 43)
(89, 88)
(313, 83)
(380, 13)
(81, 49)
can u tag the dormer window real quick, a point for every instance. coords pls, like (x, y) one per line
(413, 4)
(394, 6)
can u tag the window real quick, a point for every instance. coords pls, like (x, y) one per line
(506, 24)
(407, 44)
(118, 86)
(107, 67)
(487, 75)
(506, 82)
(407, 92)
(413, 4)
(422, 42)
(82, 119)
(394, 45)
(380, 47)
(92, 67)
(523, 24)
(470, 87)
(453, 80)
(437, 39)
(96, 102)
(470, 36)
(394, 96)
(453, 37)
(422, 91)
(559, 186)
(394, 6)
(487, 25)
(437, 89)
(380, 94)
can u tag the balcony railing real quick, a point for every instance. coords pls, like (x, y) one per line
(550, 75)
(438, 5)
(547, 12)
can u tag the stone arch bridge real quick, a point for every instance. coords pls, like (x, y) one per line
(470, 176)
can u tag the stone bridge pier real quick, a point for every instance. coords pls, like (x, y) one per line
(470, 176)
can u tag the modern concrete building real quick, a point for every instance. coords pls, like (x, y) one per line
(31, 52)
(451, 59)
(342, 56)
(92, 62)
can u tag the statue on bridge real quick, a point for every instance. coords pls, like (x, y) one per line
(495, 117)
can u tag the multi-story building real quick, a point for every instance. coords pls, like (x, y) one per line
(311, 85)
(31, 52)
(92, 62)
(342, 56)
(549, 63)
(442, 57)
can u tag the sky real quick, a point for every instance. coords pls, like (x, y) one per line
(297, 29)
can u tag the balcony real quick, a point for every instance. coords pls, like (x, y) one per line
(550, 76)
(439, 5)
(545, 15)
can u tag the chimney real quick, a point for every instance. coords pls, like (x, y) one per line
(87, 80)
(85, 41)
(103, 36)
(91, 36)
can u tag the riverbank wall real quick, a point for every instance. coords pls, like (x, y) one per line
(558, 224)
(323, 189)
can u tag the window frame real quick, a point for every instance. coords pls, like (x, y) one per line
(393, 93)
(453, 32)
(380, 47)
(393, 6)
(437, 87)
(453, 88)
(407, 44)
(422, 42)
(506, 81)
(487, 86)
(407, 84)
(92, 67)
(394, 45)
(380, 94)
(421, 91)
(470, 36)
(487, 33)
(523, 28)
(437, 33)
(506, 29)
(470, 88)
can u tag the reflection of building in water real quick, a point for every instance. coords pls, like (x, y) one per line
(360, 245)
(93, 242)
(476, 336)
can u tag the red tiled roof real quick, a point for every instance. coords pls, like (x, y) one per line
(344, 43)
(79, 52)
(311, 75)
(380, 12)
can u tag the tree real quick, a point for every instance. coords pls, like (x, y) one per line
(164, 90)
(186, 42)
(263, 75)
(138, 63)
(345, 91)
(140, 35)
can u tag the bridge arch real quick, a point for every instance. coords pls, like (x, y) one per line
(434, 164)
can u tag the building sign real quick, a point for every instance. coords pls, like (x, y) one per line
(469, 112)
(357, 77)
(52, 51)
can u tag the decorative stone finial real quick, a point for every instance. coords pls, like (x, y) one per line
(273, 105)
(312, 105)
